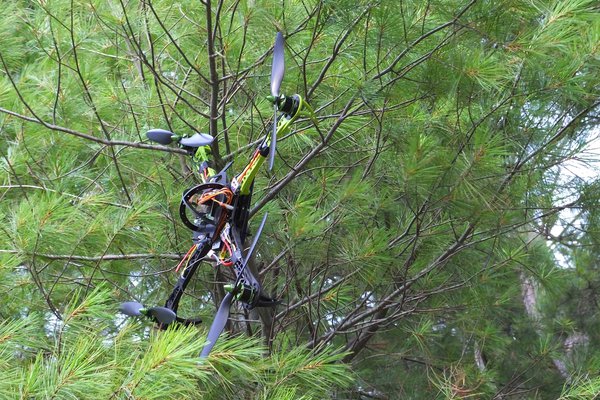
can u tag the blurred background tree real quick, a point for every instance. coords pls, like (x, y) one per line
(431, 234)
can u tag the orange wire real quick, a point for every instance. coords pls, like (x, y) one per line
(252, 162)
(210, 196)
(186, 257)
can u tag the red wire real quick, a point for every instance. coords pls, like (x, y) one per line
(228, 248)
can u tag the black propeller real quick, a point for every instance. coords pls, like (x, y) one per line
(277, 71)
(161, 136)
(225, 307)
(218, 324)
(131, 308)
(278, 67)
(163, 315)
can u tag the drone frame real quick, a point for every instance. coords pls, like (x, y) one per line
(220, 212)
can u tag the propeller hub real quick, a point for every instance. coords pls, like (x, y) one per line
(229, 288)
(276, 100)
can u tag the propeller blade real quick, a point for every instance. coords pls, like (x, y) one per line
(160, 136)
(256, 236)
(273, 144)
(163, 315)
(278, 66)
(277, 71)
(223, 312)
(218, 324)
(131, 308)
(197, 140)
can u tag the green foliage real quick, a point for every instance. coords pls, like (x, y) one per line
(316, 372)
(411, 235)
(89, 360)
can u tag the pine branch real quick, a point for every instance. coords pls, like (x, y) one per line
(105, 257)
(105, 142)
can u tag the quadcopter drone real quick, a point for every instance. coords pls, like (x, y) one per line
(217, 212)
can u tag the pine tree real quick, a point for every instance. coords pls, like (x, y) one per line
(409, 228)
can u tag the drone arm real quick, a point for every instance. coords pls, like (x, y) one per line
(188, 272)
(292, 107)
(202, 160)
